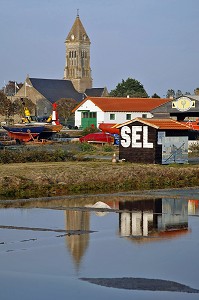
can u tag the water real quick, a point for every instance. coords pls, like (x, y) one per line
(46, 251)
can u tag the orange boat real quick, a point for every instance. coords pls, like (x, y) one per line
(194, 125)
(109, 127)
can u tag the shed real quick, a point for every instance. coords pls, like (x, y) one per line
(161, 141)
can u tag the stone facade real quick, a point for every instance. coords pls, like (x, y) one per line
(43, 106)
(77, 68)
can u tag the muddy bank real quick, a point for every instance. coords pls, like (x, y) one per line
(78, 201)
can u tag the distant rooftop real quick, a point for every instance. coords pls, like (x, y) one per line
(55, 89)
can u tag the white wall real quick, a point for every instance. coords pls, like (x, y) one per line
(120, 117)
(88, 105)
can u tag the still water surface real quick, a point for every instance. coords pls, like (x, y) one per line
(46, 252)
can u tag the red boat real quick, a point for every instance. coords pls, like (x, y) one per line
(24, 132)
(97, 137)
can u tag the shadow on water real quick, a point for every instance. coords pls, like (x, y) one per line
(142, 284)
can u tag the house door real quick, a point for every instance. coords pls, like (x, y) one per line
(88, 119)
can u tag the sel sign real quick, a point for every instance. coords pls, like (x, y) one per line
(132, 137)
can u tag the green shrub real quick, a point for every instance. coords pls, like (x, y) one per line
(89, 129)
(10, 156)
(86, 147)
(108, 148)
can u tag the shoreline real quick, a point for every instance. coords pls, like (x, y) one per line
(176, 193)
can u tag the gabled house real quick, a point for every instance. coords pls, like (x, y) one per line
(96, 110)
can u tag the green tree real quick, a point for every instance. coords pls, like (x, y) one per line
(196, 91)
(131, 87)
(155, 96)
(178, 94)
(65, 107)
(170, 93)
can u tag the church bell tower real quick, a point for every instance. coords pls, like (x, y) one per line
(77, 68)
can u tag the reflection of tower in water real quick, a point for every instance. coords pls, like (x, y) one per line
(77, 243)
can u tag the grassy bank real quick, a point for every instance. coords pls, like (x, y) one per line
(73, 177)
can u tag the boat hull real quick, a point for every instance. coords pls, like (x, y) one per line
(109, 127)
(24, 133)
(49, 131)
(97, 137)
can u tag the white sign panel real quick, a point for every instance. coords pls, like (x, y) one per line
(135, 136)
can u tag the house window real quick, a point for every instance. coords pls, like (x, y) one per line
(128, 116)
(92, 115)
(85, 114)
(112, 116)
(144, 116)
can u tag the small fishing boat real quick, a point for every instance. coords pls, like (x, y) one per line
(49, 130)
(24, 132)
(109, 127)
(193, 133)
(51, 126)
(97, 137)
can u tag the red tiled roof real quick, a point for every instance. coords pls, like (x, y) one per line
(164, 124)
(107, 104)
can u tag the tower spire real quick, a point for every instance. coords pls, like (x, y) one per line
(77, 67)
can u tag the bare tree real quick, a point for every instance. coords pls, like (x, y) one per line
(20, 104)
(6, 108)
(65, 107)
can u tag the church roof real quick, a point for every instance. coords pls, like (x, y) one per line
(78, 31)
(55, 89)
(110, 104)
(94, 92)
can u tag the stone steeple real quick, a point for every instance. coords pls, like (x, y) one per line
(77, 68)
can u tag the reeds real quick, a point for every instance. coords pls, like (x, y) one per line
(62, 178)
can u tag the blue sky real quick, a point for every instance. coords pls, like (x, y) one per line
(154, 41)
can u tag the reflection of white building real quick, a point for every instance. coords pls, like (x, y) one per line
(174, 214)
(143, 218)
(135, 223)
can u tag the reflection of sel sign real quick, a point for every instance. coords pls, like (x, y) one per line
(132, 137)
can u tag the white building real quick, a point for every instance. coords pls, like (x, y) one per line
(96, 110)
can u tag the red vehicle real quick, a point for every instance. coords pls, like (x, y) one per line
(98, 137)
